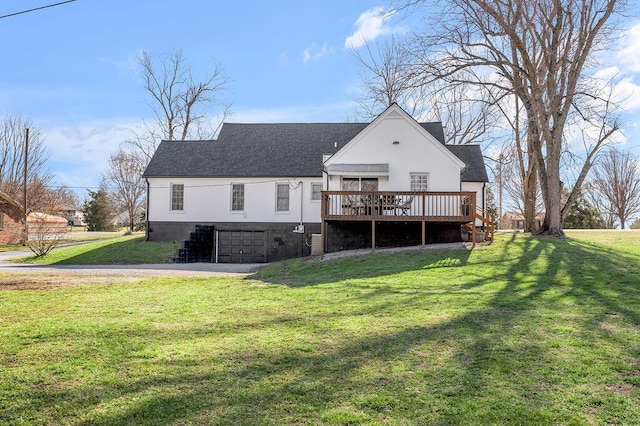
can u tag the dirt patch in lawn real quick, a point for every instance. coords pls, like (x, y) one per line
(56, 280)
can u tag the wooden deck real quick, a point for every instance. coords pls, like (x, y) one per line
(399, 206)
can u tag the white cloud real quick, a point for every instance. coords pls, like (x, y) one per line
(624, 88)
(628, 57)
(315, 52)
(370, 25)
(129, 65)
(79, 152)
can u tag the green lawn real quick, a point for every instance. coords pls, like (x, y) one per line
(525, 331)
(126, 250)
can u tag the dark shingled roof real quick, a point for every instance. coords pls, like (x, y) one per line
(277, 150)
(471, 155)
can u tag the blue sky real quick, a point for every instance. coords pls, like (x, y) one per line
(71, 68)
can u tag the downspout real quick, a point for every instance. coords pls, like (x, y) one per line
(301, 202)
(301, 218)
(484, 189)
(147, 211)
(484, 208)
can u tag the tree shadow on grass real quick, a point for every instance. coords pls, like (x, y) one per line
(312, 271)
(489, 364)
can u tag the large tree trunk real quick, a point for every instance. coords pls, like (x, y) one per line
(529, 191)
(530, 181)
(553, 194)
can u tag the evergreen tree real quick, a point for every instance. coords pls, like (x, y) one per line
(492, 206)
(583, 215)
(99, 211)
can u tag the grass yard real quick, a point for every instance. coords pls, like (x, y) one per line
(526, 331)
(76, 235)
(127, 250)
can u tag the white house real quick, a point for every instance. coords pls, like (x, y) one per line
(260, 191)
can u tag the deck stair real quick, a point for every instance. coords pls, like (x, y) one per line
(488, 227)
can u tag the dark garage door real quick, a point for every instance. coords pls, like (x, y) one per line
(242, 247)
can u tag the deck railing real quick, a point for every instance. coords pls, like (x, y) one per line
(392, 205)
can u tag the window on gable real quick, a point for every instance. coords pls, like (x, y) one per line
(420, 181)
(177, 197)
(316, 191)
(282, 197)
(237, 197)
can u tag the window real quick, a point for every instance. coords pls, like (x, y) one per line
(282, 197)
(237, 197)
(350, 184)
(1, 220)
(177, 196)
(359, 184)
(420, 182)
(369, 184)
(316, 191)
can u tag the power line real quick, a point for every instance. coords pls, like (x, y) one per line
(36, 8)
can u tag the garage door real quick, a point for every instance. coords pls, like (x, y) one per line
(241, 247)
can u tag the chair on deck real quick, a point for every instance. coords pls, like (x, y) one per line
(404, 205)
(387, 203)
(352, 204)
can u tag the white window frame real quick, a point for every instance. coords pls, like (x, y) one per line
(233, 193)
(318, 193)
(171, 197)
(277, 206)
(421, 178)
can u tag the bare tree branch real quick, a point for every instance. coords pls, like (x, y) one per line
(123, 179)
(179, 101)
(616, 183)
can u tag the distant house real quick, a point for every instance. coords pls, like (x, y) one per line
(11, 227)
(11, 216)
(122, 218)
(265, 192)
(513, 220)
(73, 214)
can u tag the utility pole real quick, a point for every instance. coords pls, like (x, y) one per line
(25, 233)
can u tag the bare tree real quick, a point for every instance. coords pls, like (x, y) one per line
(616, 180)
(537, 50)
(517, 163)
(178, 100)
(468, 113)
(12, 157)
(123, 179)
(386, 73)
(521, 195)
(46, 230)
(388, 76)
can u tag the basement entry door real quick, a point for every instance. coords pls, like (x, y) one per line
(241, 247)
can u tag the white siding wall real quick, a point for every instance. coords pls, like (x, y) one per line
(209, 200)
(478, 188)
(415, 153)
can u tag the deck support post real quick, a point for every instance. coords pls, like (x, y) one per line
(373, 235)
(424, 226)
